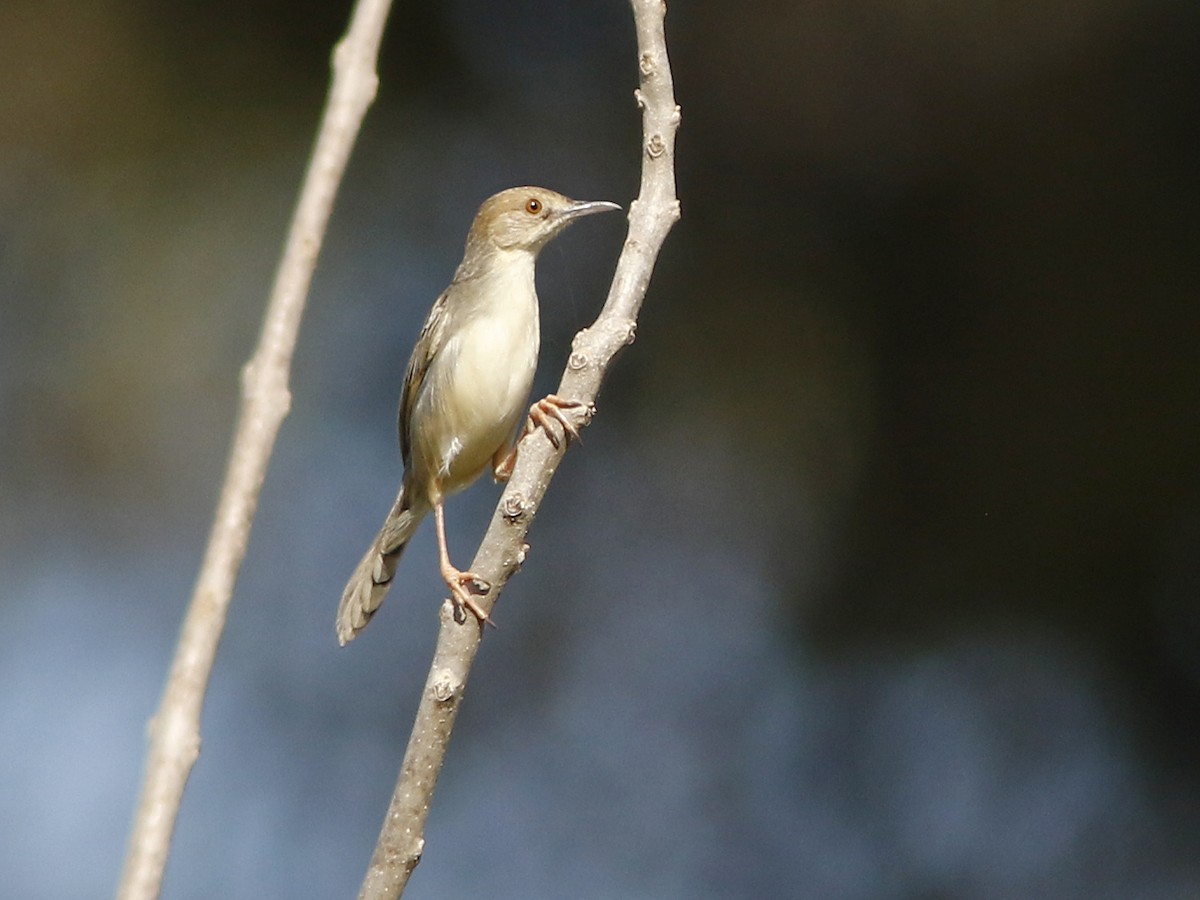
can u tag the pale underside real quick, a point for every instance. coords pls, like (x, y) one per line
(477, 385)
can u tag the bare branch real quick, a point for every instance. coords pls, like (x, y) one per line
(174, 732)
(651, 217)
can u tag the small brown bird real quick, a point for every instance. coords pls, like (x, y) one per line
(466, 387)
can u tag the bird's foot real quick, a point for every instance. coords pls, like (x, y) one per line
(553, 408)
(462, 586)
(550, 413)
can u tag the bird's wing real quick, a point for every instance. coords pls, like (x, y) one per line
(429, 342)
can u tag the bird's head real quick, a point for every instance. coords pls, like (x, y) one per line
(526, 218)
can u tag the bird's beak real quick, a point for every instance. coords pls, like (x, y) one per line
(586, 208)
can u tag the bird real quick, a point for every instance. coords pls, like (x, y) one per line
(465, 390)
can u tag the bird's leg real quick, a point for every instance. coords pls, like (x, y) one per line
(461, 584)
(503, 461)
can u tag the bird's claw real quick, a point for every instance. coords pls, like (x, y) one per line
(551, 408)
(462, 585)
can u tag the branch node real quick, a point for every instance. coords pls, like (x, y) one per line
(339, 52)
(249, 376)
(580, 343)
(512, 564)
(446, 688)
(656, 146)
(513, 508)
(577, 361)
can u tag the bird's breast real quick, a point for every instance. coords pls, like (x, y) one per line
(479, 385)
(494, 364)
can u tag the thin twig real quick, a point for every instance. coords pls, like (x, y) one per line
(651, 217)
(174, 732)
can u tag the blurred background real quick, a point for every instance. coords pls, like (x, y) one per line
(878, 573)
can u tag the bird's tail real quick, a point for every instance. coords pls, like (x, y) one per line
(371, 580)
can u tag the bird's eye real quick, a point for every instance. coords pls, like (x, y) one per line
(533, 206)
